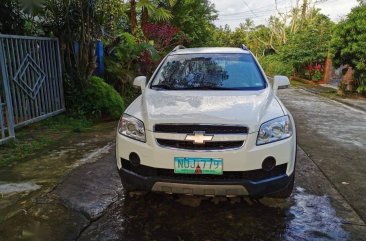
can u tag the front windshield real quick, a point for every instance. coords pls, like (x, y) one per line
(209, 71)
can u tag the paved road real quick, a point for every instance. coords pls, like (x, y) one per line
(316, 211)
(334, 136)
(89, 202)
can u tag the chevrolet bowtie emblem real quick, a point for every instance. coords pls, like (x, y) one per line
(199, 137)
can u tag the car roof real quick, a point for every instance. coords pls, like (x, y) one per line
(218, 50)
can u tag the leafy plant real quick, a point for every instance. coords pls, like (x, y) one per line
(164, 35)
(361, 89)
(126, 59)
(11, 21)
(314, 72)
(349, 43)
(317, 75)
(195, 19)
(309, 46)
(155, 10)
(102, 101)
(272, 65)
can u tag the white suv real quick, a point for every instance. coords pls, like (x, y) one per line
(208, 123)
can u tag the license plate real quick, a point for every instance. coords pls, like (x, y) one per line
(190, 165)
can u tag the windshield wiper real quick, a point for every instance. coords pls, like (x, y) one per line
(203, 87)
(162, 86)
(206, 88)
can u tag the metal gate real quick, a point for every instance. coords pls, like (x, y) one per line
(31, 82)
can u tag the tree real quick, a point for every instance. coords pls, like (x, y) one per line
(309, 46)
(78, 22)
(195, 19)
(11, 21)
(247, 26)
(154, 9)
(349, 43)
(113, 18)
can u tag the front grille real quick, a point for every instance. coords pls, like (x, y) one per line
(254, 175)
(208, 129)
(189, 145)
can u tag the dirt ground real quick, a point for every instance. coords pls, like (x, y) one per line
(40, 202)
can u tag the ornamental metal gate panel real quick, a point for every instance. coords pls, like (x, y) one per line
(30, 83)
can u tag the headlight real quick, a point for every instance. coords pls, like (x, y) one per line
(275, 130)
(132, 127)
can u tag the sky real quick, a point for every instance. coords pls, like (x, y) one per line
(233, 12)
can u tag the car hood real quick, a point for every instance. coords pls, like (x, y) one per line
(248, 108)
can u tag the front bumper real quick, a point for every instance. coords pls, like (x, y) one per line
(218, 187)
(247, 159)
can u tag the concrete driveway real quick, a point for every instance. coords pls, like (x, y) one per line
(88, 203)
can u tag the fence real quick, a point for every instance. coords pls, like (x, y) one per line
(30, 83)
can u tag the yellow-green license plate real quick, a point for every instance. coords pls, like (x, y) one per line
(191, 165)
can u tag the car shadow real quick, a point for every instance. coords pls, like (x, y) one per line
(175, 217)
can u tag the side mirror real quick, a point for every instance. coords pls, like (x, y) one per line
(280, 82)
(140, 82)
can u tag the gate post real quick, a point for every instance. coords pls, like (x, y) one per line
(9, 106)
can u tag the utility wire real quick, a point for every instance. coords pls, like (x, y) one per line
(241, 13)
(252, 10)
(249, 8)
(259, 14)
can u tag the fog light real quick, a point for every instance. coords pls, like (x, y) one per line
(269, 163)
(134, 159)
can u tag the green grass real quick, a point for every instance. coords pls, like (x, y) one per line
(296, 83)
(33, 139)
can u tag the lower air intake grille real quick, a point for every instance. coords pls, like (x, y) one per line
(253, 175)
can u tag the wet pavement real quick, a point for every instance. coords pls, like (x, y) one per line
(88, 202)
(25, 188)
(334, 136)
(315, 212)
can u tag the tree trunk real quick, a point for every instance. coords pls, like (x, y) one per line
(303, 10)
(144, 19)
(133, 17)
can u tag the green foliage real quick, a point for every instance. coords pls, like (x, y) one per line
(123, 64)
(272, 65)
(35, 138)
(11, 21)
(295, 42)
(317, 76)
(98, 101)
(309, 45)
(101, 100)
(194, 18)
(361, 89)
(120, 60)
(349, 43)
(113, 16)
(155, 11)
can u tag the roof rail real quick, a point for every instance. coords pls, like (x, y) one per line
(244, 47)
(178, 47)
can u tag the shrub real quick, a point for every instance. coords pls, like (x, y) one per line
(100, 100)
(273, 66)
(349, 42)
(361, 89)
(317, 76)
